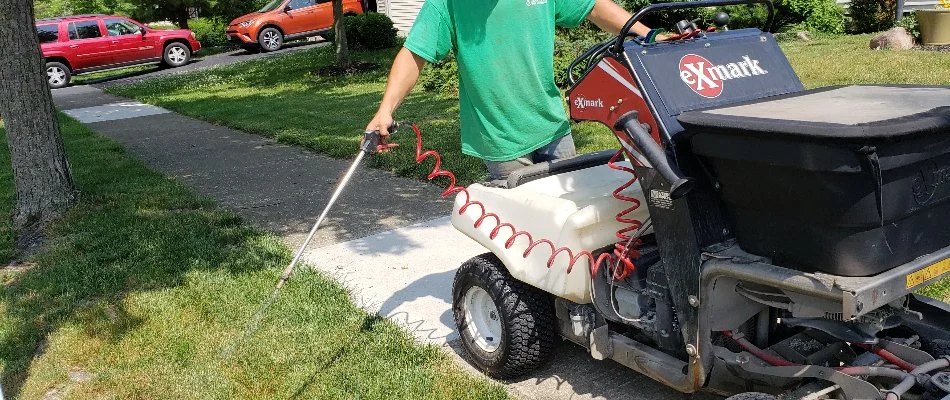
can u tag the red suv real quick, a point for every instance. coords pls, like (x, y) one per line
(87, 43)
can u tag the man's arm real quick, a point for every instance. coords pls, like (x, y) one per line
(403, 76)
(610, 17)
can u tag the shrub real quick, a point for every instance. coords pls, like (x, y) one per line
(209, 31)
(441, 77)
(872, 15)
(816, 15)
(369, 31)
(568, 45)
(826, 16)
(909, 22)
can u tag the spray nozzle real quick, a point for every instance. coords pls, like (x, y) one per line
(374, 141)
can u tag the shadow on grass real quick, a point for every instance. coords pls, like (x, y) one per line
(132, 231)
(369, 324)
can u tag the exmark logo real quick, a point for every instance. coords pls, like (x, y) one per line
(706, 79)
(582, 103)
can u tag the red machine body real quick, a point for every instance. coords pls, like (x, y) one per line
(607, 92)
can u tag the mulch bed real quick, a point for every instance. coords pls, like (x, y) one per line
(354, 68)
(945, 47)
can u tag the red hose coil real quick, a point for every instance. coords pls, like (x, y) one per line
(621, 253)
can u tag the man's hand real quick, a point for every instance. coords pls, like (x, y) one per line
(382, 123)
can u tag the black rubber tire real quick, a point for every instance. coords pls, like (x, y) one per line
(66, 71)
(752, 396)
(175, 63)
(938, 348)
(528, 320)
(266, 45)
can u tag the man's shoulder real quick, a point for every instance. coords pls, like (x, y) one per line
(441, 5)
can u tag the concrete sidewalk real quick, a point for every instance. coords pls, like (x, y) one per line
(388, 239)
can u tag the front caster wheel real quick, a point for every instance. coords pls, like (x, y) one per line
(506, 326)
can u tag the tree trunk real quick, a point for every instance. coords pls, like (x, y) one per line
(44, 185)
(342, 49)
(181, 18)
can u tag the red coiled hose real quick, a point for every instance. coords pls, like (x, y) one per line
(621, 252)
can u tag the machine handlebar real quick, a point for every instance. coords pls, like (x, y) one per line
(618, 44)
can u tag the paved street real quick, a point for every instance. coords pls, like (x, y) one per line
(200, 62)
(388, 240)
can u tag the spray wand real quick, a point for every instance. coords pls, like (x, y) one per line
(373, 142)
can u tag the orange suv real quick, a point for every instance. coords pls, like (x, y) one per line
(285, 20)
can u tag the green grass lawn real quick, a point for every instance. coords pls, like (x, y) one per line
(143, 284)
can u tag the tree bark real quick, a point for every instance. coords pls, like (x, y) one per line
(182, 16)
(44, 185)
(342, 49)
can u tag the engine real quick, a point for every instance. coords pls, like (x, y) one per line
(640, 305)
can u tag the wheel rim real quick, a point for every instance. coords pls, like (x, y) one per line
(177, 55)
(483, 321)
(56, 76)
(271, 40)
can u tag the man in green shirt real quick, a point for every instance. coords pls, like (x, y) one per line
(510, 107)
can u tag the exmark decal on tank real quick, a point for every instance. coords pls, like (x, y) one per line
(706, 78)
(582, 103)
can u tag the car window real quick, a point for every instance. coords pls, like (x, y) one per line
(119, 27)
(271, 6)
(295, 4)
(48, 33)
(84, 30)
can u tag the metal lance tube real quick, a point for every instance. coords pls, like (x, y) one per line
(284, 277)
(372, 143)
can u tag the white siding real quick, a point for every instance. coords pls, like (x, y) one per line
(909, 5)
(402, 12)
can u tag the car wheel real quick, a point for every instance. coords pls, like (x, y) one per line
(176, 55)
(270, 39)
(506, 326)
(58, 75)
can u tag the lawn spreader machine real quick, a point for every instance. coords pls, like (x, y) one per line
(750, 238)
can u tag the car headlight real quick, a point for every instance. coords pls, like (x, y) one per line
(193, 35)
(246, 23)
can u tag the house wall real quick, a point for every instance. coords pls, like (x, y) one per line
(402, 12)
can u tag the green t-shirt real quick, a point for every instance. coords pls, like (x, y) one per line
(509, 103)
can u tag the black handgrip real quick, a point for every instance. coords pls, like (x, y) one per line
(618, 45)
(679, 184)
(373, 140)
